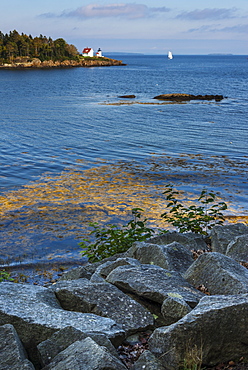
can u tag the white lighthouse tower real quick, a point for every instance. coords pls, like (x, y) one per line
(99, 53)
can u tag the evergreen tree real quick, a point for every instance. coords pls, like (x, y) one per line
(15, 45)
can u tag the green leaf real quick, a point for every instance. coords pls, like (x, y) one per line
(194, 218)
(111, 239)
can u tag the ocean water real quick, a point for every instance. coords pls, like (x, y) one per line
(72, 151)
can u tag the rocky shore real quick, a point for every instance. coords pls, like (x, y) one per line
(83, 62)
(190, 301)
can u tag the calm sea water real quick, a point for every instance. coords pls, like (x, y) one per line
(73, 151)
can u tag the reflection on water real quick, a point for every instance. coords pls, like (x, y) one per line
(46, 219)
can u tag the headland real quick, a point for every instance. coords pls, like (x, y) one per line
(68, 63)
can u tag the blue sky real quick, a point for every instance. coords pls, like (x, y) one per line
(145, 26)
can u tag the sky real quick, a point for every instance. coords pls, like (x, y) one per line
(144, 26)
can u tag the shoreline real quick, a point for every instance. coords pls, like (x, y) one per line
(31, 215)
(46, 272)
(37, 63)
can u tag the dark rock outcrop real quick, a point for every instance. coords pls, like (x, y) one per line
(127, 96)
(188, 97)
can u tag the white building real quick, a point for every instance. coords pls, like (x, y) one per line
(88, 52)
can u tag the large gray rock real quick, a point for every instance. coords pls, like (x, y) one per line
(147, 361)
(174, 308)
(79, 273)
(153, 283)
(104, 299)
(215, 331)
(105, 268)
(218, 273)
(85, 355)
(63, 338)
(173, 256)
(88, 270)
(36, 314)
(12, 353)
(188, 240)
(221, 236)
(238, 248)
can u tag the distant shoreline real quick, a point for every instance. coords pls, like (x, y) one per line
(220, 54)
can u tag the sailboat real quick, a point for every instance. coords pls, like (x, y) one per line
(170, 56)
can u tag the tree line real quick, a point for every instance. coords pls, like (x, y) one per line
(20, 46)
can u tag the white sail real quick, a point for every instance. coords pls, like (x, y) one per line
(170, 56)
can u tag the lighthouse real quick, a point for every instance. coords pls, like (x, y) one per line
(99, 53)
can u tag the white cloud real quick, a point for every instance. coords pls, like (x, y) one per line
(240, 28)
(243, 28)
(124, 10)
(204, 28)
(47, 15)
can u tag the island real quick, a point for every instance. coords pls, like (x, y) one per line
(23, 51)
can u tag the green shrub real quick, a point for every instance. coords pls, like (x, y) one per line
(196, 218)
(112, 239)
(5, 276)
